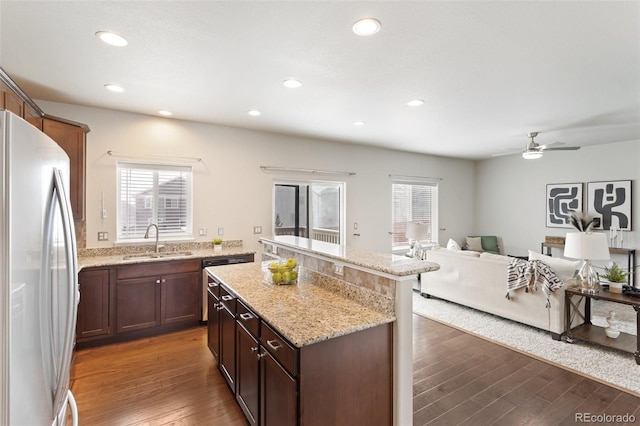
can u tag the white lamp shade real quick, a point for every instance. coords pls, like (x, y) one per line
(418, 231)
(580, 245)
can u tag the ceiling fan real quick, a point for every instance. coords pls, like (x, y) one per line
(533, 150)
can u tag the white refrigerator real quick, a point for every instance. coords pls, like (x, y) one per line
(38, 277)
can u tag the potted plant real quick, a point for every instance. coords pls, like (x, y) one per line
(616, 277)
(217, 244)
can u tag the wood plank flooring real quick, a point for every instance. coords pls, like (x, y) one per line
(458, 379)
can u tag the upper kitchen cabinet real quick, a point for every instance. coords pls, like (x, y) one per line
(13, 99)
(71, 137)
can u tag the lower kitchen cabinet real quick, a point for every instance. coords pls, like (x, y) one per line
(138, 303)
(227, 360)
(279, 395)
(137, 300)
(346, 380)
(248, 374)
(94, 309)
(213, 318)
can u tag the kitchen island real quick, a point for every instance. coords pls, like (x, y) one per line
(341, 293)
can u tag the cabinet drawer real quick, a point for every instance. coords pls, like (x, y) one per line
(277, 346)
(152, 269)
(213, 286)
(228, 299)
(248, 319)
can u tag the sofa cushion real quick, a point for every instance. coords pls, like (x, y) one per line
(453, 245)
(474, 243)
(564, 269)
(492, 256)
(469, 253)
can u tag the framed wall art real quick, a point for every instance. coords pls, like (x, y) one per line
(562, 200)
(609, 203)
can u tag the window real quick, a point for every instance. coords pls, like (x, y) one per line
(310, 209)
(154, 193)
(413, 202)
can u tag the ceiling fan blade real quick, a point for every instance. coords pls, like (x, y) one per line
(502, 154)
(564, 148)
(549, 145)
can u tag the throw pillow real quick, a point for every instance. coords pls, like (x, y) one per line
(564, 269)
(453, 245)
(490, 244)
(474, 243)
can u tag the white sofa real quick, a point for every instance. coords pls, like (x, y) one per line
(479, 280)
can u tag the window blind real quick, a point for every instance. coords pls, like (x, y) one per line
(413, 202)
(154, 193)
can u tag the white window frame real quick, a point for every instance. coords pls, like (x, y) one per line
(403, 247)
(187, 171)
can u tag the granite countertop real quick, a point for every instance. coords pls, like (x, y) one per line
(382, 262)
(89, 261)
(303, 313)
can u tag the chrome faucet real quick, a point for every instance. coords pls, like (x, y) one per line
(146, 234)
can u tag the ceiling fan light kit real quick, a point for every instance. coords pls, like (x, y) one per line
(531, 155)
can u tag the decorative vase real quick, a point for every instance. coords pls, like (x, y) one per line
(611, 330)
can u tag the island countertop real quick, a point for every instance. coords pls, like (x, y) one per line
(303, 313)
(399, 266)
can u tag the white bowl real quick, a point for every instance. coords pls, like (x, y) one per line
(611, 333)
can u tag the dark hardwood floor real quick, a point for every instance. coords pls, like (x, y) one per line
(458, 379)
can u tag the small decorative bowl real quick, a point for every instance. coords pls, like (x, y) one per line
(612, 333)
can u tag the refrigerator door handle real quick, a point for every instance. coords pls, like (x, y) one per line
(62, 379)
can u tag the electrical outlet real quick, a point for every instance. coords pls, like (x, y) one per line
(103, 236)
(257, 229)
(338, 269)
(221, 231)
(202, 231)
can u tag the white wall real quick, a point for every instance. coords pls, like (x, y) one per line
(232, 192)
(511, 191)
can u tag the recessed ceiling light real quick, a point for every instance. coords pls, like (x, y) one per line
(415, 102)
(292, 83)
(366, 26)
(114, 88)
(254, 112)
(166, 113)
(111, 38)
(358, 123)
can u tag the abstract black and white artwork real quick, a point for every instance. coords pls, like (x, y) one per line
(562, 200)
(609, 203)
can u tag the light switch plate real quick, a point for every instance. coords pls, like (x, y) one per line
(220, 231)
(257, 229)
(103, 236)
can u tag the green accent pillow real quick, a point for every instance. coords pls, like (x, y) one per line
(490, 244)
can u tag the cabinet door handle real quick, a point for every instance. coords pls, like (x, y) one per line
(164, 281)
(215, 305)
(254, 349)
(246, 316)
(274, 344)
(227, 298)
(260, 355)
(220, 308)
(213, 285)
(157, 281)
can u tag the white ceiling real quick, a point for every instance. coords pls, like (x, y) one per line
(488, 71)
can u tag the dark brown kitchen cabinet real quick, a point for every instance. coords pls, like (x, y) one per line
(32, 116)
(213, 317)
(72, 139)
(227, 360)
(95, 307)
(278, 392)
(180, 297)
(138, 303)
(157, 294)
(11, 101)
(248, 362)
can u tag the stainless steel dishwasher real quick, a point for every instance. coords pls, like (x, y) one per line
(218, 261)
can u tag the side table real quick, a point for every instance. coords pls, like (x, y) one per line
(593, 333)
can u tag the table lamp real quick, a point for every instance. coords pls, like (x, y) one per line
(588, 247)
(418, 231)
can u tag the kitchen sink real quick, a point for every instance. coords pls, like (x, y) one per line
(153, 255)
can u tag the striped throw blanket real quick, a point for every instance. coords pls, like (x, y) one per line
(531, 274)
